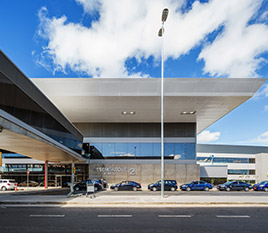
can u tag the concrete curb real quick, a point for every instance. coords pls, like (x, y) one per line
(137, 204)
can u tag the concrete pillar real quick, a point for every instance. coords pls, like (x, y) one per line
(46, 174)
(72, 180)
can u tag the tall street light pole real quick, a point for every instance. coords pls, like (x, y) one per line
(161, 34)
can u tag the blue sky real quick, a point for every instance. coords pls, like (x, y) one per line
(89, 38)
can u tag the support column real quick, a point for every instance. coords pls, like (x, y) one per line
(46, 174)
(72, 180)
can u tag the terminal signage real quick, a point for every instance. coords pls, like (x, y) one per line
(111, 171)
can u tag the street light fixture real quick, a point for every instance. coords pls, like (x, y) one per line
(161, 34)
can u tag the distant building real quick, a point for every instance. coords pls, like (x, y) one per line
(219, 162)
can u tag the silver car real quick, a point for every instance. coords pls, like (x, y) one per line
(7, 184)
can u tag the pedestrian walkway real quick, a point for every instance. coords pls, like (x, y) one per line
(137, 201)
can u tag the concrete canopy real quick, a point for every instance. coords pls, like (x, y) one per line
(28, 119)
(104, 100)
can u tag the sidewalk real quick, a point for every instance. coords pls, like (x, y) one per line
(125, 200)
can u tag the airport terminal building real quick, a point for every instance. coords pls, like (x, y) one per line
(110, 128)
(220, 163)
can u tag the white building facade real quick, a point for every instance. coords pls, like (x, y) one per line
(236, 162)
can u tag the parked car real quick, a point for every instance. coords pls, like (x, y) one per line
(169, 185)
(262, 186)
(196, 186)
(31, 183)
(126, 186)
(7, 184)
(102, 182)
(82, 185)
(49, 183)
(235, 185)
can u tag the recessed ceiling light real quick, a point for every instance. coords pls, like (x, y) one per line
(188, 113)
(128, 113)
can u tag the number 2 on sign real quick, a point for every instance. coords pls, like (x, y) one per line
(132, 171)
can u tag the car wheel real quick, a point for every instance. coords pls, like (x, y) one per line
(77, 189)
(4, 188)
(134, 189)
(188, 189)
(266, 189)
(206, 189)
(116, 189)
(154, 189)
(228, 189)
(173, 189)
(246, 189)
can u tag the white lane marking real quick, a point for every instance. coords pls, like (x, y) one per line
(174, 216)
(114, 216)
(46, 216)
(232, 216)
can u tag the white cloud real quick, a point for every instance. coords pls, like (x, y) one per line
(264, 16)
(128, 28)
(263, 138)
(178, 156)
(266, 108)
(207, 136)
(90, 6)
(235, 52)
(262, 92)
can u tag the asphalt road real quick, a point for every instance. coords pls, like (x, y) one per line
(128, 220)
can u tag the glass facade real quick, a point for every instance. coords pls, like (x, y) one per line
(39, 168)
(58, 174)
(18, 156)
(241, 172)
(226, 160)
(184, 151)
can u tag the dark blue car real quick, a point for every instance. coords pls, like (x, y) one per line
(126, 186)
(262, 186)
(82, 185)
(169, 185)
(196, 186)
(234, 185)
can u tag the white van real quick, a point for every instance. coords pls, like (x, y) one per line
(7, 184)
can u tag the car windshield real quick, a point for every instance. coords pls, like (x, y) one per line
(229, 182)
(263, 182)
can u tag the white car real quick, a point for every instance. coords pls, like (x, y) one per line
(6, 184)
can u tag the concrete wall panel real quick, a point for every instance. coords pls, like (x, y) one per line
(144, 173)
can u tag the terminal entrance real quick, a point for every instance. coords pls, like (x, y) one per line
(62, 180)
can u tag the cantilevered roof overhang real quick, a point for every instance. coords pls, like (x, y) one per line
(30, 124)
(103, 100)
